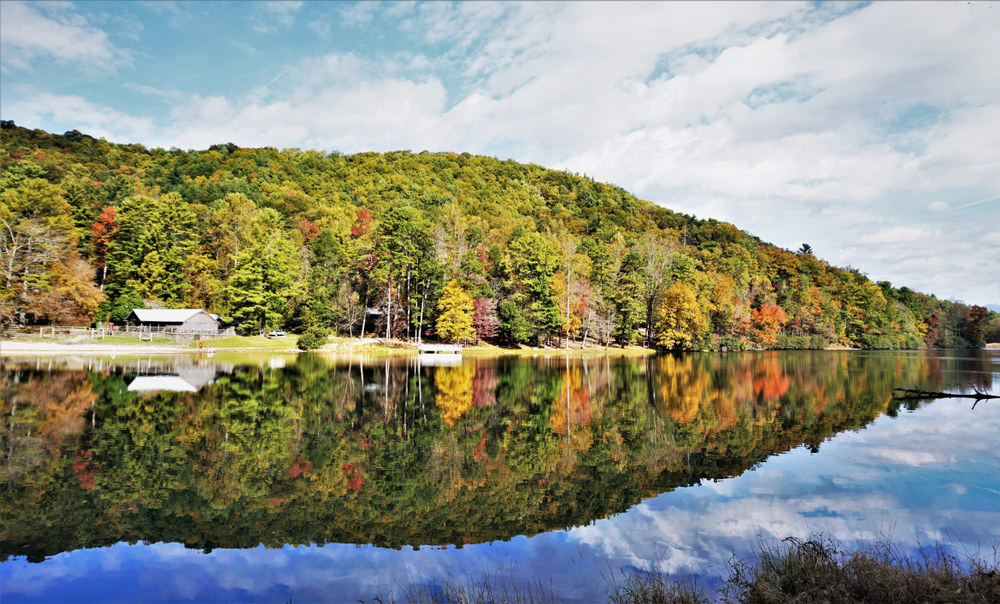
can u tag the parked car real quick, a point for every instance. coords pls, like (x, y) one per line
(277, 334)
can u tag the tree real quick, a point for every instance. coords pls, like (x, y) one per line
(402, 244)
(805, 249)
(35, 233)
(767, 321)
(657, 253)
(484, 318)
(104, 232)
(267, 276)
(628, 299)
(455, 310)
(680, 322)
(513, 326)
(976, 324)
(231, 228)
(148, 254)
(352, 309)
(534, 261)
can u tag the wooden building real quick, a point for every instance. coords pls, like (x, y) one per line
(175, 320)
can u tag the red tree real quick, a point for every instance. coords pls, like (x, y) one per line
(104, 231)
(767, 321)
(484, 318)
(975, 324)
(362, 224)
(309, 230)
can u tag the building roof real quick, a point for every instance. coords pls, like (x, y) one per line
(171, 383)
(167, 315)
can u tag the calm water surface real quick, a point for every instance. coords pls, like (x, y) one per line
(332, 480)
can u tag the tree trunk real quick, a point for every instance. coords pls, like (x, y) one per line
(420, 326)
(364, 315)
(388, 313)
(408, 271)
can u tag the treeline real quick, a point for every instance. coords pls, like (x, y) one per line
(412, 246)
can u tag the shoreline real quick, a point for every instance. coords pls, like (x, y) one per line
(367, 346)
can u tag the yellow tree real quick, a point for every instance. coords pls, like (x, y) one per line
(454, 396)
(679, 318)
(455, 313)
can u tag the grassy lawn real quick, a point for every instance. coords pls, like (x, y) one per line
(255, 342)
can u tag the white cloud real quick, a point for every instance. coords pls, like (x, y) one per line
(837, 126)
(26, 35)
(277, 13)
(75, 112)
(359, 13)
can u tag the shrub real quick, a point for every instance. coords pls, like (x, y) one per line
(813, 342)
(313, 338)
(731, 343)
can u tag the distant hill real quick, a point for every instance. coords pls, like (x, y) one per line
(993, 307)
(296, 239)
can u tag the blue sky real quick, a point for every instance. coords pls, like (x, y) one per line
(869, 131)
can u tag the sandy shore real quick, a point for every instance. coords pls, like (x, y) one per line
(9, 347)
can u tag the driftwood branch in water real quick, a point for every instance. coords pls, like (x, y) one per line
(920, 394)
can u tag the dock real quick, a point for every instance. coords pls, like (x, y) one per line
(439, 348)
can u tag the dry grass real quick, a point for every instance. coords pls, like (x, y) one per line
(498, 587)
(816, 571)
(652, 586)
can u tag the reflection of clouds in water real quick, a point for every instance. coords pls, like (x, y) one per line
(18, 576)
(929, 475)
(885, 479)
(909, 458)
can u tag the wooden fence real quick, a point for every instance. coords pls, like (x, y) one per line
(144, 332)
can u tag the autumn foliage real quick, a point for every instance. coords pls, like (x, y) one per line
(455, 311)
(767, 322)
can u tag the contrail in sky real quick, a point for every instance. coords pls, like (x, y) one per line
(966, 205)
(261, 89)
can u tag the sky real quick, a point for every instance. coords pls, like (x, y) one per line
(870, 131)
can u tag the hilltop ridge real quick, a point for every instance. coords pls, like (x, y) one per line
(300, 239)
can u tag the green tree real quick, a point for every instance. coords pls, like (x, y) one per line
(534, 260)
(267, 277)
(628, 299)
(514, 326)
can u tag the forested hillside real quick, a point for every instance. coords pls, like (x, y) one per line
(441, 244)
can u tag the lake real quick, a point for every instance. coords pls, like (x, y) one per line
(321, 479)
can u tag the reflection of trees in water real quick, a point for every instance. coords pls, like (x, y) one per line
(394, 453)
(454, 391)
